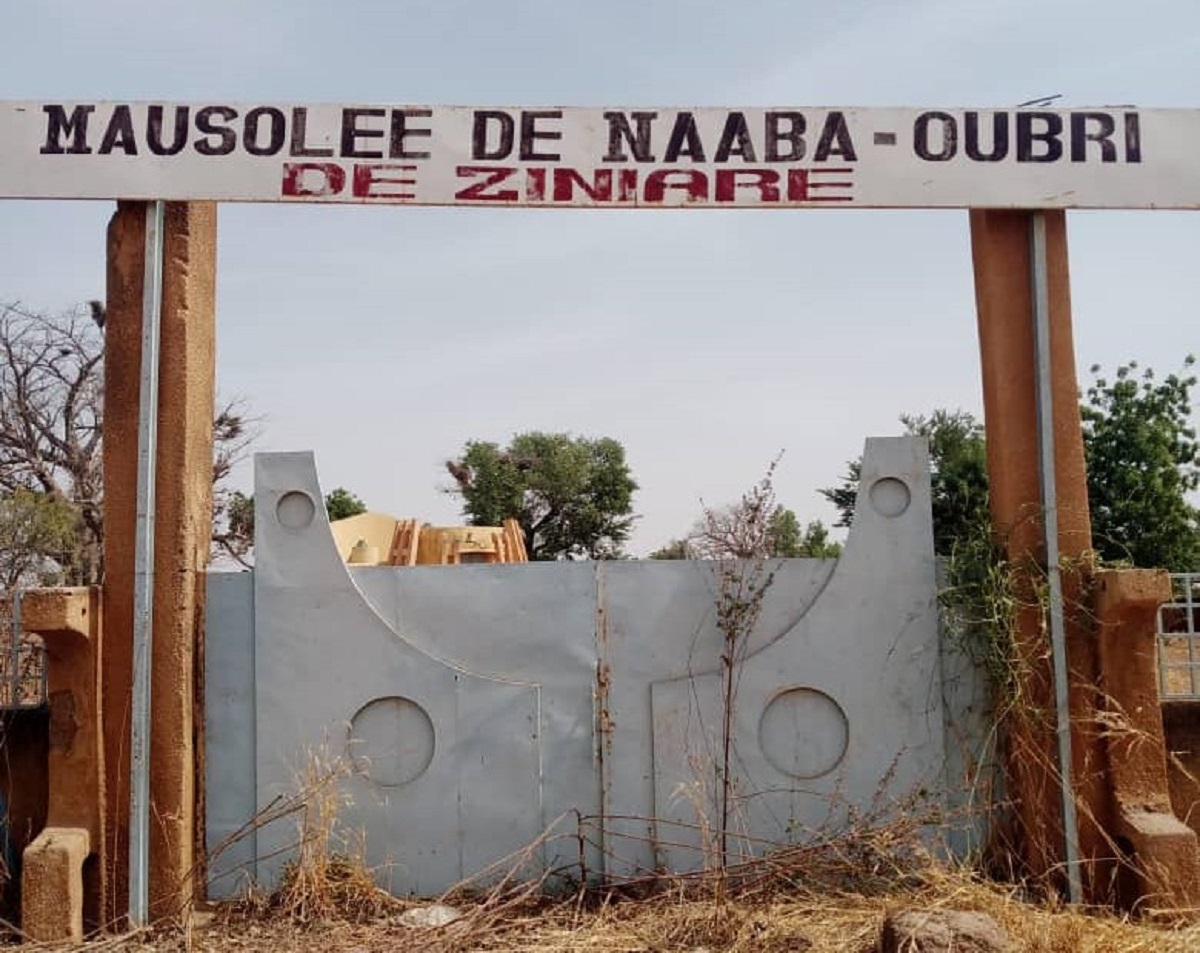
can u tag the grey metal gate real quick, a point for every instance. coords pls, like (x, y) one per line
(476, 707)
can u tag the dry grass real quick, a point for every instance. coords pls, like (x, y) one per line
(785, 918)
(831, 895)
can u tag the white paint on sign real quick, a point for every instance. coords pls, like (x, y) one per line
(1117, 157)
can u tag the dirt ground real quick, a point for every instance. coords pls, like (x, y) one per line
(785, 921)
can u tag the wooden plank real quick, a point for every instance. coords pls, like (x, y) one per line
(403, 551)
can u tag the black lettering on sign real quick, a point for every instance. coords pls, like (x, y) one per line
(226, 138)
(154, 129)
(776, 136)
(300, 146)
(1133, 138)
(1102, 128)
(59, 126)
(946, 137)
(119, 134)
(835, 140)
(685, 140)
(484, 119)
(621, 135)
(478, 192)
(999, 147)
(352, 132)
(530, 133)
(401, 131)
(735, 140)
(276, 133)
(1048, 137)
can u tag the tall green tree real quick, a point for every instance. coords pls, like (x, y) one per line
(813, 542)
(341, 504)
(37, 534)
(958, 476)
(573, 496)
(1143, 462)
(238, 526)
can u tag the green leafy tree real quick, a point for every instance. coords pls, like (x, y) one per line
(755, 527)
(573, 496)
(1143, 462)
(237, 531)
(958, 477)
(815, 543)
(37, 535)
(785, 534)
(730, 533)
(340, 504)
(675, 549)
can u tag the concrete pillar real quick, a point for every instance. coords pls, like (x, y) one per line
(69, 623)
(1162, 850)
(1003, 293)
(52, 886)
(184, 519)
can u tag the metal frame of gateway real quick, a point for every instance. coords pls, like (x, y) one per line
(1179, 639)
(46, 147)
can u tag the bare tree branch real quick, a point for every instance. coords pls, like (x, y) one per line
(51, 426)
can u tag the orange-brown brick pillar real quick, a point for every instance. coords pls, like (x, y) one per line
(1000, 243)
(183, 517)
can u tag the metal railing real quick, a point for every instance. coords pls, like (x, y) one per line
(22, 659)
(1179, 639)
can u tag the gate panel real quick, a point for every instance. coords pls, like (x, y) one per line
(473, 707)
(335, 682)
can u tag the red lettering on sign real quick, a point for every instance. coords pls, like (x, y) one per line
(492, 176)
(802, 183)
(692, 183)
(371, 182)
(627, 185)
(311, 179)
(600, 189)
(730, 180)
(535, 184)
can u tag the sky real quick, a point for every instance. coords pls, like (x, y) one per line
(707, 342)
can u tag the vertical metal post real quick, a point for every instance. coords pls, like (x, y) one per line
(143, 579)
(1058, 640)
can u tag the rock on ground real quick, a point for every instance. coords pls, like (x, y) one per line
(942, 931)
(428, 918)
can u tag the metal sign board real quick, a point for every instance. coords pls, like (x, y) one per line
(1114, 157)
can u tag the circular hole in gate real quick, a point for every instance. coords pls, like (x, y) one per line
(295, 509)
(804, 733)
(890, 496)
(391, 740)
